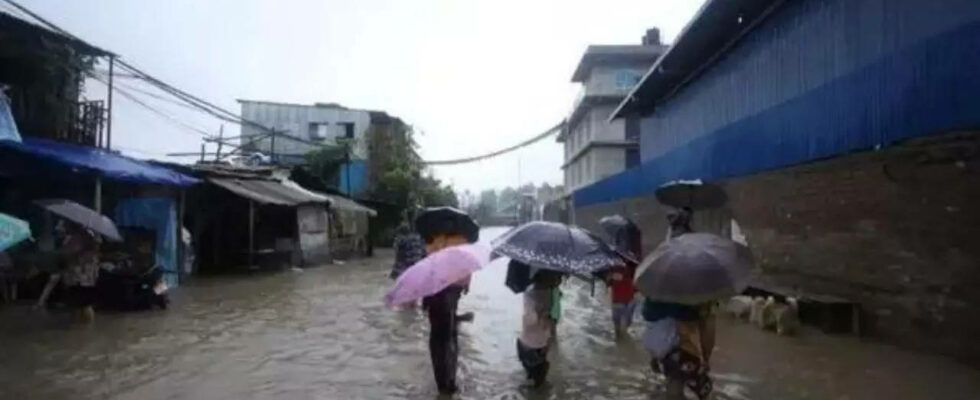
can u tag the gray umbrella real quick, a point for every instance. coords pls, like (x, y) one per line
(621, 230)
(557, 247)
(693, 194)
(83, 216)
(694, 268)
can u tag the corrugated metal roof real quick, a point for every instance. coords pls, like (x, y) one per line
(9, 22)
(266, 191)
(713, 30)
(346, 204)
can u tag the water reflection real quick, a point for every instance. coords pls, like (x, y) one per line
(324, 334)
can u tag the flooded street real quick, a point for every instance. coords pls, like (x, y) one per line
(324, 334)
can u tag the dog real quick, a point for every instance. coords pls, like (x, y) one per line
(767, 314)
(755, 310)
(739, 307)
(787, 317)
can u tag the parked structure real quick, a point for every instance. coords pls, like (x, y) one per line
(845, 133)
(594, 146)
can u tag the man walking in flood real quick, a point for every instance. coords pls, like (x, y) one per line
(442, 228)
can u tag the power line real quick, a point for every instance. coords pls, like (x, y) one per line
(505, 150)
(228, 116)
(168, 117)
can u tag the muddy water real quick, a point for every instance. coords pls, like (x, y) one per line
(324, 334)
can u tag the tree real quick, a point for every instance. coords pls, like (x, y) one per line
(325, 164)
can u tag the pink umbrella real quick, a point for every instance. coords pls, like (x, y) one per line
(436, 272)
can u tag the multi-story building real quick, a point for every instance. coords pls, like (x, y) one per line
(596, 147)
(847, 137)
(300, 129)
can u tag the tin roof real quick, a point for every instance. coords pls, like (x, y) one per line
(267, 191)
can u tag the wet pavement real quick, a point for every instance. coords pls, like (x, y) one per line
(324, 334)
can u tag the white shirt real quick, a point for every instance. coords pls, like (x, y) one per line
(537, 322)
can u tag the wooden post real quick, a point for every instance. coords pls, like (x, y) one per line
(272, 149)
(251, 233)
(97, 201)
(221, 134)
(108, 122)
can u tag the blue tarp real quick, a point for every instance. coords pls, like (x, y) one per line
(8, 129)
(160, 215)
(99, 161)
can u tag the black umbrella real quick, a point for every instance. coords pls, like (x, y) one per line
(518, 276)
(557, 247)
(83, 216)
(693, 194)
(446, 221)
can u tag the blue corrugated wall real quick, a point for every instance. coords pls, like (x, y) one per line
(358, 177)
(819, 78)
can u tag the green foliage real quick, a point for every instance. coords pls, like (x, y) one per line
(398, 173)
(325, 164)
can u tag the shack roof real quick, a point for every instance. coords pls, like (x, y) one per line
(10, 23)
(713, 30)
(267, 191)
(343, 203)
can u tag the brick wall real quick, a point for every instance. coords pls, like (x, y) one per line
(896, 230)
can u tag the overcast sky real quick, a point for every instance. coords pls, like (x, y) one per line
(472, 76)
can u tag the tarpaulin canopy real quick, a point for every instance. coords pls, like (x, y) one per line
(267, 191)
(8, 128)
(99, 161)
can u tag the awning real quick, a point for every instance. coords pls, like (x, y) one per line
(267, 191)
(99, 161)
(343, 203)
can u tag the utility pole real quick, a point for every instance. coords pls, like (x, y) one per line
(108, 122)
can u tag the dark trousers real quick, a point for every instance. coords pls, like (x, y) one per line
(443, 346)
(535, 362)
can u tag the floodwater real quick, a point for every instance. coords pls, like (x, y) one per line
(324, 334)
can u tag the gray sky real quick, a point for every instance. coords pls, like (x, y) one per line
(472, 76)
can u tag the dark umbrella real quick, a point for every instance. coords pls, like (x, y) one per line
(557, 247)
(83, 216)
(620, 229)
(518, 276)
(446, 221)
(694, 268)
(693, 194)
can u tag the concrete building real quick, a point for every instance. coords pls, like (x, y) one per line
(847, 135)
(305, 128)
(594, 147)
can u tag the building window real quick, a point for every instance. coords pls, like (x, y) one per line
(348, 131)
(626, 79)
(318, 130)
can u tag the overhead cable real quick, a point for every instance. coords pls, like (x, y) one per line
(493, 154)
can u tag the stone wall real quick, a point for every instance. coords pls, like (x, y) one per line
(896, 230)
